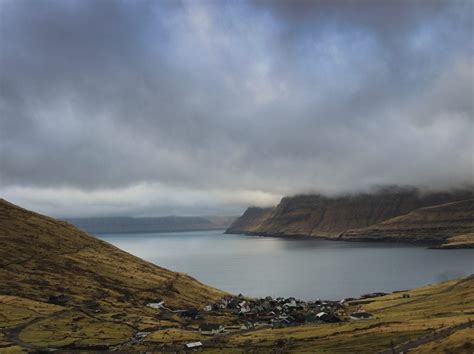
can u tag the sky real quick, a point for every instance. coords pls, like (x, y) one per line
(150, 108)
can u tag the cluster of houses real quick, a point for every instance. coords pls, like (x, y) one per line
(253, 313)
(269, 312)
(279, 312)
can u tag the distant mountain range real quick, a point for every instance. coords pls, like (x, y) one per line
(392, 214)
(151, 224)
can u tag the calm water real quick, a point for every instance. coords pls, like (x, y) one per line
(307, 269)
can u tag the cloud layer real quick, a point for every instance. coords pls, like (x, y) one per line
(194, 107)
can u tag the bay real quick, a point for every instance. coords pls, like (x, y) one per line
(303, 268)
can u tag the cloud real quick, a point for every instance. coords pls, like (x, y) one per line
(215, 105)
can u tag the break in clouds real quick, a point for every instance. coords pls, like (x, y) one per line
(204, 107)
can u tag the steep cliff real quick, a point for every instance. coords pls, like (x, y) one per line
(431, 224)
(320, 216)
(250, 221)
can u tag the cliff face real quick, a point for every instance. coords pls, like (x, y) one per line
(431, 224)
(319, 216)
(250, 221)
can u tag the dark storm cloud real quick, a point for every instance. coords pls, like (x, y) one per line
(205, 104)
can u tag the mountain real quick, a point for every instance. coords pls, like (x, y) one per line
(329, 217)
(36, 248)
(62, 289)
(430, 224)
(250, 221)
(102, 290)
(151, 224)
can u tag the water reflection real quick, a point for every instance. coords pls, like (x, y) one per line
(304, 268)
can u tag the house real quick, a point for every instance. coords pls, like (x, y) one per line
(326, 317)
(211, 329)
(247, 325)
(360, 315)
(207, 308)
(191, 313)
(193, 345)
(245, 309)
(156, 305)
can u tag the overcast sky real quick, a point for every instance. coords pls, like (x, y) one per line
(199, 107)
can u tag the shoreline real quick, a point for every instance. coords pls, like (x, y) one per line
(433, 244)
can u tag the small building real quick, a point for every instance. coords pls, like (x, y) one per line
(247, 325)
(406, 296)
(193, 345)
(211, 329)
(155, 305)
(191, 313)
(327, 317)
(291, 304)
(207, 308)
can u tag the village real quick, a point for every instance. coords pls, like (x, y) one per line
(269, 312)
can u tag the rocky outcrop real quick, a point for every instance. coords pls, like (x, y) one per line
(321, 216)
(431, 224)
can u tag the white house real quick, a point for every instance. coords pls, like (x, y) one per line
(193, 345)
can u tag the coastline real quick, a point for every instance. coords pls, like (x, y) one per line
(432, 244)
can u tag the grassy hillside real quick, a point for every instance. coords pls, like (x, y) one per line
(105, 292)
(106, 288)
(432, 224)
(397, 319)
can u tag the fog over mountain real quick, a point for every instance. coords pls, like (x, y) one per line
(149, 108)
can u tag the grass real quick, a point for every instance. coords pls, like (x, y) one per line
(74, 328)
(460, 342)
(15, 311)
(396, 320)
(460, 241)
(41, 256)
(174, 335)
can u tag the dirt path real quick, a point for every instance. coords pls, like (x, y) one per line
(12, 334)
(433, 336)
